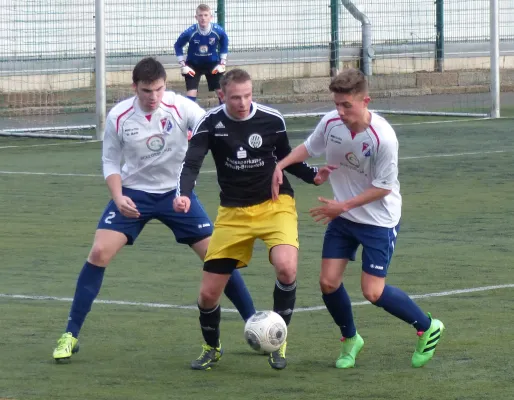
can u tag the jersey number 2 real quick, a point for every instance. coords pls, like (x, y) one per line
(111, 215)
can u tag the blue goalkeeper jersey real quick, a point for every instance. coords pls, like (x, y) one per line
(203, 48)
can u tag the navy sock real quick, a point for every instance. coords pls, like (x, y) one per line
(210, 324)
(340, 307)
(88, 286)
(192, 98)
(284, 297)
(238, 294)
(397, 303)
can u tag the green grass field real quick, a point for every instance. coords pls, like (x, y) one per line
(455, 247)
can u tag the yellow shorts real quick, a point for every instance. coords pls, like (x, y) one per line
(236, 228)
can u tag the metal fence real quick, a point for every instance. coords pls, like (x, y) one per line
(48, 47)
(65, 29)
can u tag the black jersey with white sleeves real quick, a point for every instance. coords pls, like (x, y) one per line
(245, 152)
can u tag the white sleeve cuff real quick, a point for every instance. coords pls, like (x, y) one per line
(111, 169)
(310, 150)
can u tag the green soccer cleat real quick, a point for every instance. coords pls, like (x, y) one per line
(277, 359)
(350, 348)
(209, 356)
(427, 342)
(66, 346)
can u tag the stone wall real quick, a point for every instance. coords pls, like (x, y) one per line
(304, 85)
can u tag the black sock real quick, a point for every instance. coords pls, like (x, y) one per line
(284, 297)
(210, 324)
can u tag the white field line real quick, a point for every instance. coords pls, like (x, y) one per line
(470, 153)
(47, 173)
(231, 310)
(48, 144)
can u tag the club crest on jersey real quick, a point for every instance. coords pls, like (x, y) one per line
(255, 140)
(166, 125)
(366, 149)
(212, 41)
(203, 49)
(352, 159)
(155, 143)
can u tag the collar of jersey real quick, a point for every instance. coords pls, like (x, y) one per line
(253, 109)
(206, 31)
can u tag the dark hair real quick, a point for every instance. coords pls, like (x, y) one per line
(236, 75)
(350, 81)
(148, 70)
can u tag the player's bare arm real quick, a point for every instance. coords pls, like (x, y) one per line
(332, 208)
(298, 155)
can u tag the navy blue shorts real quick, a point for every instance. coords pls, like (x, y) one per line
(343, 237)
(188, 228)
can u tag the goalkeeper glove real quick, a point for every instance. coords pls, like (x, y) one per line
(220, 68)
(185, 70)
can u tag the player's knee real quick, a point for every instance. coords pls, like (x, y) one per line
(285, 264)
(210, 296)
(371, 293)
(372, 287)
(212, 289)
(286, 272)
(328, 285)
(100, 254)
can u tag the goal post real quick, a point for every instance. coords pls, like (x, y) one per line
(429, 57)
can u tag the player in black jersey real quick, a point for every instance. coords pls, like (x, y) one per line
(246, 140)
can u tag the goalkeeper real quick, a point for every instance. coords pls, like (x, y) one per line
(206, 54)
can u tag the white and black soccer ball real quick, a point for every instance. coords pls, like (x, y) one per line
(265, 331)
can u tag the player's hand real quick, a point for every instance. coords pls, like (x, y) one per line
(323, 174)
(328, 211)
(181, 204)
(185, 70)
(127, 207)
(219, 69)
(276, 181)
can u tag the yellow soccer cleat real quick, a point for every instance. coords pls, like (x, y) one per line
(66, 346)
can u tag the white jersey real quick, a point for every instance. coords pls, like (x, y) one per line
(152, 145)
(366, 159)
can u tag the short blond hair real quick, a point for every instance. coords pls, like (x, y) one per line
(203, 7)
(350, 81)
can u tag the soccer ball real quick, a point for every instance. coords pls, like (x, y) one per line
(265, 331)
